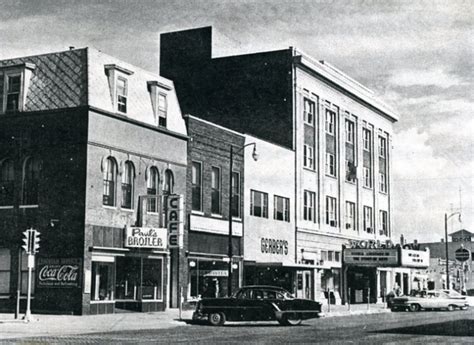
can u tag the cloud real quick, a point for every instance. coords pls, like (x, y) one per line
(434, 77)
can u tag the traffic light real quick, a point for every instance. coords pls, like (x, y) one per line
(31, 241)
(26, 241)
(36, 242)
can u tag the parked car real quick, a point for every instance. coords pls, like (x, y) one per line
(432, 299)
(257, 303)
(455, 294)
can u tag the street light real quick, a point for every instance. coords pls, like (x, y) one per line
(446, 217)
(230, 254)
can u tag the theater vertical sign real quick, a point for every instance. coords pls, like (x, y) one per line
(175, 218)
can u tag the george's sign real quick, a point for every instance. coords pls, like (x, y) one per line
(59, 272)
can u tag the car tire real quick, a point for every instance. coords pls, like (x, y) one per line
(293, 319)
(451, 307)
(465, 308)
(414, 307)
(394, 309)
(216, 319)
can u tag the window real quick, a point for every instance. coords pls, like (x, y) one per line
(215, 190)
(383, 223)
(109, 178)
(5, 263)
(196, 187)
(13, 93)
(383, 182)
(367, 138)
(331, 211)
(309, 201)
(122, 95)
(337, 256)
(367, 177)
(382, 147)
(330, 255)
(6, 182)
(152, 190)
(258, 204)
(139, 279)
(128, 178)
(102, 281)
(350, 215)
(350, 134)
(330, 121)
(308, 159)
(309, 111)
(368, 219)
(168, 186)
(31, 176)
(236, 194)
(324, 255)
(281, 208)
(351, 171)
(162, 109)
(330, 164)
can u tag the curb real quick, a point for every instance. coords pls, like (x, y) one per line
(353, 312)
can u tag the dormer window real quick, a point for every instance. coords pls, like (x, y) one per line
(13, 92)
(159, 101)
(118, 84)
(122, 95)
(162, 109)
(14, 80)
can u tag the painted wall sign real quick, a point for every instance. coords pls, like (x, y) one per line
(273, 246)
(415, 258)
(136, 237)
(371, 257)
(59, 272)
(175, 219)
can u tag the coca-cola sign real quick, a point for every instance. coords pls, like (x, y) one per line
(59, 272)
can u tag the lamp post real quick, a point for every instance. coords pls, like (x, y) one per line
(446, 217)
(230, 249)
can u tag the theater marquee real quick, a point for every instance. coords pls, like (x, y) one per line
(371, 257)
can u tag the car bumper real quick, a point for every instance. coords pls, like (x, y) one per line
(198, 316)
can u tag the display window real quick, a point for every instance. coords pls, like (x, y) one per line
(102, 281)
(139, 279)
(209, 278)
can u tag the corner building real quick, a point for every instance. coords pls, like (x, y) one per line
(90, 149)
(341, 137)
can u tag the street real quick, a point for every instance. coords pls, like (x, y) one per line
(402, 327)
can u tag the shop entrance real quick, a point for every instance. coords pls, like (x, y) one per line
(305, 285)
(361, 281)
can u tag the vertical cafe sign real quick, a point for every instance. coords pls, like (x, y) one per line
(59, 272)
(175, 221)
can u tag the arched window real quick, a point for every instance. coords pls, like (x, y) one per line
(6, 182)
(169, 182)
(128, 178)
(110, 178)
(31, 177)
(152, 189)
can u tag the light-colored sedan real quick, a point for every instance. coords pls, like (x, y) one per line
(433, 299)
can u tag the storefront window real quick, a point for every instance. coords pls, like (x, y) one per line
(128, 278)
(4, 271)
(152, 274)
(208, 278)
(139, 278)
(102, 281)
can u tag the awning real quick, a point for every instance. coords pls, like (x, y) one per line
(284, 265)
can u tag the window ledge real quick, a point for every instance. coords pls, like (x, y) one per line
(309, 169)
(368, 188)
(6, 207)
(103, 302)
(350, 182)
(236, 219)
(29, 206)
(200, 213)
(216, 215)
(109, 207)
(331, 176)
(127, 209)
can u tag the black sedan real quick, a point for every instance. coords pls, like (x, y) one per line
(257, 303)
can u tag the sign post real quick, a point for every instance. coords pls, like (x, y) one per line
(31, 246)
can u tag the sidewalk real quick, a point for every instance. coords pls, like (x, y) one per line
(50, 325)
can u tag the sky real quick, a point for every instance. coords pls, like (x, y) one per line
(416, 55)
